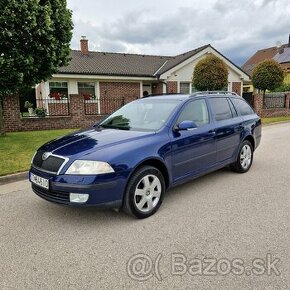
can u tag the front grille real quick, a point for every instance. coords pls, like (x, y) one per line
(51, 164)
(56, 196)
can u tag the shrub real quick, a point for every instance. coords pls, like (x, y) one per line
(267, 75)
(210, 74)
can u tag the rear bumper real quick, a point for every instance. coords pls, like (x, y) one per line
(103, 191)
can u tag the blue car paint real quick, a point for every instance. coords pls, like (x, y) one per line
(184, 154)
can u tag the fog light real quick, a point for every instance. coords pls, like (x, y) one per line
(78, 197)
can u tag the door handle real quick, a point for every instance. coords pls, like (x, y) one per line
(212, 132)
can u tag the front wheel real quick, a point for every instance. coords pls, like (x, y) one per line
(245, 158)
(144, 193)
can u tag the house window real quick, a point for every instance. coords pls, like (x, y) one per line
(58, 90)
(87, 90)
(184, 88)
(193, 89)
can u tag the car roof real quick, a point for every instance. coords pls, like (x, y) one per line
(183, 97)
(177, 97)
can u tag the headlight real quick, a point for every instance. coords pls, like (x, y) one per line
(86, 167)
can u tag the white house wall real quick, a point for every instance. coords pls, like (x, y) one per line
(185, 74)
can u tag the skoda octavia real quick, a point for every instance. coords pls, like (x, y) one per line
(133, 156)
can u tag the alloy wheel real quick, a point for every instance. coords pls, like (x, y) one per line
(246, 156)
(147, 193)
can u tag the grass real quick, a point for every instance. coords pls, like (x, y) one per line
(17, 149)
(275, 119)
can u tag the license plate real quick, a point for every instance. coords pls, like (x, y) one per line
(40, 181)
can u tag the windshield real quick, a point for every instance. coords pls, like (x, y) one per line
(145, 115)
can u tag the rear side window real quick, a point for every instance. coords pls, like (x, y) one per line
(220, 109)
(242, 107)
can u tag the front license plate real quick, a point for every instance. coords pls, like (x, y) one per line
(40, 181)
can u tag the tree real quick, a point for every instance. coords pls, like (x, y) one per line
(210, 74)
(267, 75)
(34, 42)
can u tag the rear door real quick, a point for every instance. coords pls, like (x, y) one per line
(228, 127)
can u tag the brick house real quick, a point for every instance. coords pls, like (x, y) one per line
(279, 53)
(102, 75)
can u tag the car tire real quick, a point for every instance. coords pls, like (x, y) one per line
(245, 158)
(144, 192)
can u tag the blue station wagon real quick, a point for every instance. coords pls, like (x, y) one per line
(129, 159)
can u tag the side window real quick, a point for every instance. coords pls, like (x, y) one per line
(195, 111)
(234, 111)
(242, 107)
(220, 109)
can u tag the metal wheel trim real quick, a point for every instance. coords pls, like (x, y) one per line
(147, 193)
(246, 156)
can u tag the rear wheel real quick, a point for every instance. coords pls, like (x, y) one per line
(144, 193)
(245, 158)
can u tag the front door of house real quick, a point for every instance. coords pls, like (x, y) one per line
(147, 88)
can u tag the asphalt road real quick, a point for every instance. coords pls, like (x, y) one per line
(204, 230)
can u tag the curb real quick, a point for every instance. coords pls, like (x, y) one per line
(13, 177)
(276, 123)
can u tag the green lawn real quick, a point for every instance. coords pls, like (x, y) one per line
(17, 149)
(275, 119)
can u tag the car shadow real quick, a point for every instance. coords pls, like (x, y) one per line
(107, 216)
(207, 178)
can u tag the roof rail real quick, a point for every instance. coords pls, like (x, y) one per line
(213, 93)
(163, 94)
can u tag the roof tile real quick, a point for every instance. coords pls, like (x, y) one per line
(259, 56)
(122, 64)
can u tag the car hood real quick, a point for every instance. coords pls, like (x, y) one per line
(86, 142)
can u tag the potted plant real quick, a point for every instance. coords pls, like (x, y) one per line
(87, 96)
(56, 95)
(29, 107)
(40, 112)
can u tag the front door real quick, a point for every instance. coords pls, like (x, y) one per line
(147, 88)
(193, 151)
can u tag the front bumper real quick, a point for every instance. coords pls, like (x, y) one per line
(103, 190)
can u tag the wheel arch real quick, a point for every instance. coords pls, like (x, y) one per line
(251, 140)
(157, 163)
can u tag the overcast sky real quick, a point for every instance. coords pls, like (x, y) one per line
(168, 27)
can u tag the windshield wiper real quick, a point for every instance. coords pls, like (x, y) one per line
(116, 126)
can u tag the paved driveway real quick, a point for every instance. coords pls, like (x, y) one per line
(240, 224)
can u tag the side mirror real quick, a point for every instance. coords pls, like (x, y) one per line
(186, 125)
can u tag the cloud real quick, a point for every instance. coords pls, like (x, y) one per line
(175, 27)
(137, 28)
(267, 2)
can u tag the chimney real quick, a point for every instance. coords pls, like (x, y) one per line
(289, 41)
(84, 45)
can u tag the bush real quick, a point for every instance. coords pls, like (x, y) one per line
(283, 88)
(267, 75)
(40, 112)
(210, 74)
